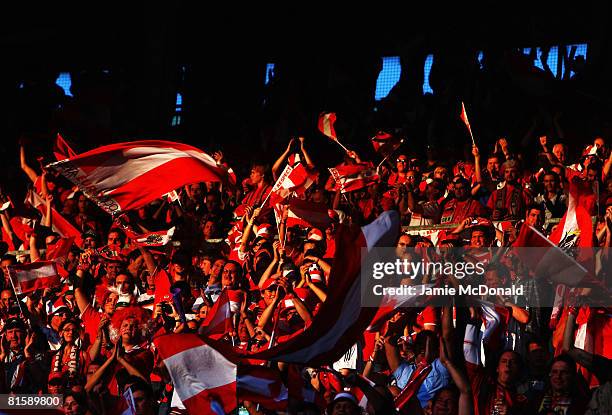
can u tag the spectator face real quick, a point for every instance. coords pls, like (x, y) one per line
(69, 333)
(537, 357)
(15, 338)
(411, 177)
(511, 174)
(461, 191)
(205, 266)
(258, 245)
(402, 246)
(6, 297)
(269, 295)
(493, 166)
(71, 406)
(212, 202)
(110, 302)
(228, 277)
(478, 239)
(128, 330)
(217, 268)
(344, 407)
(114, 238)
(550, 183)
(256, 175)
(143, 404)
(560, 377)
(4, 264)
(124, 284)
(445, 404)
(534, 217)
(559, 152)
(82, 204)
(508, 368)
(196, 192)
(58, 318)
(112, 270)
(89, 242)
(402, 163)
(55, 389)
(599, 142)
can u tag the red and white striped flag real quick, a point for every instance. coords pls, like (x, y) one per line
(341, 321)
(354, 177)
(159, 238)
(326, 124)
(218, 322)
(61, 149)
(262, 385)
(464, 118)
(203, 378)
(305, 213)
(36, 275)
(293, 179)
(126, 176)
(59, 224)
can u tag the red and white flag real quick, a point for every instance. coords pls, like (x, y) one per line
(203, 378)
(60, 249)
(305, 213)
(293, 179)
(354, 177)
(464, 118)
(126, 176)
(59, 224)
(61, 149)
(159, 238)
(341, 320)
(218, 322)
(385, 143)
(262, 385)
(326, 124)
(36, 275)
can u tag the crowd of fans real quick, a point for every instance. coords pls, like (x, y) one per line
(90, 338)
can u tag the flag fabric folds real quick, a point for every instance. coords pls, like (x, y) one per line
(326, 125)
(36, 275)
(385, 143)
(353, 177)
(126, 176)
(203, 378)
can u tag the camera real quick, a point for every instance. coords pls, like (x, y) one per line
(166, 308)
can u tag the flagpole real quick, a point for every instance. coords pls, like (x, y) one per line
(342, 145)
(18, 301)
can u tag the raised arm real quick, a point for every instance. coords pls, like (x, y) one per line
(465, 391)
(279, 162)
(29, 171)
(307, 157)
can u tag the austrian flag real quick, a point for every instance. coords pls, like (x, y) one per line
(36, 275)
(326, 125)
(203, 379)
(126, 176)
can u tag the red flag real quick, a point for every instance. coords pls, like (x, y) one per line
(31, 277)
(60, 249)
(262, 385)
(416, 380)
(61, 149)
(464, 118)
(162, 287)
(59, 224)
(385, 143)
(326, 125)
(354, 177)
(126, 176)
(203, 378)
(293, 179)
(305, 213)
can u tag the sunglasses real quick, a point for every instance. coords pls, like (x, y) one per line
(401, 161)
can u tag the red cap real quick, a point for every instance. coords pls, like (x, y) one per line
(268, 283)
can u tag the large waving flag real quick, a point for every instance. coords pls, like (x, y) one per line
(126, 176)
(341, 320)
(305, 213)
(203, 378)
(294, 178)
(218, 322)
(353, 177)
